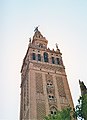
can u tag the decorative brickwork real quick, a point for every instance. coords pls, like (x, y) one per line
(21, 111)
(27, 90)
(39, 83)
(50, 90)
(41, 110)
(48, 67)
(60, 86)
(49, 77)
(63, 106)
(52, 102)
(27, 115)
(24, 94)
(49, 84)
(63, 100)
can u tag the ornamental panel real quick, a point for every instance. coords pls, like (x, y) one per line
(39, 83)
(60, 86)
(41, 110)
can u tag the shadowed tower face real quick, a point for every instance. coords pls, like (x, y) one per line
(44, 85)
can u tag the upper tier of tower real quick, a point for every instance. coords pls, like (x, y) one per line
(39, 40)
(39, 52)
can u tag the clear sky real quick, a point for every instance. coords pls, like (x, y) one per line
(61, 21)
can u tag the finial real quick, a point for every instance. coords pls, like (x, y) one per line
(57, 46)
(36, 29)
(29, 40)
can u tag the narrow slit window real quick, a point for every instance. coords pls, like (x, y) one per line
(39, 57)
(45, 57)
(53, 61)
(34, 56)
(57, 61)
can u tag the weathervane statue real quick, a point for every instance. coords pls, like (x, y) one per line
(36, 29)
(29, 40)
(57, 46)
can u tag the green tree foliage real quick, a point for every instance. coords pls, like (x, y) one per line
(64, 114)
(81, 108)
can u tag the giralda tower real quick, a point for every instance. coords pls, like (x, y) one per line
(44, 85)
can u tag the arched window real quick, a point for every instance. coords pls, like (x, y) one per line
(53, 61)
(53, 111)
(33, 56)
(39, 57)
(57, 61)
(49, 83)
(51, 96)
(45, 57)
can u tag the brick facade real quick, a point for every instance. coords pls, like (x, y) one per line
(44, 85)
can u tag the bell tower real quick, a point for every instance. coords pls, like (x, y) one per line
(44, 85)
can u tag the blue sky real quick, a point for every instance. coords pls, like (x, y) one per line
(61, 21)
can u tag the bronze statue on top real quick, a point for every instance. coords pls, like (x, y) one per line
(36, 29)
(57, 46)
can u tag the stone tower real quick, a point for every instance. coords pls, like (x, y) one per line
(44, 85)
